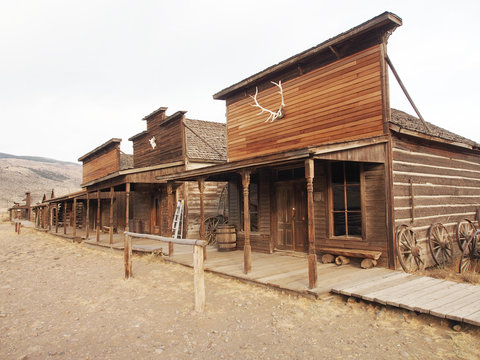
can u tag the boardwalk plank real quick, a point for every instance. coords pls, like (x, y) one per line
(372, 284)
(463, 299)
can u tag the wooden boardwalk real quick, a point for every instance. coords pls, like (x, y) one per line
(286, 271)
(440, 298)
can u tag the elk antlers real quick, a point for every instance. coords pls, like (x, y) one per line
(273, 115)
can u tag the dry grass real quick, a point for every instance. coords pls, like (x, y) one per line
(450, 272)
(4, 217)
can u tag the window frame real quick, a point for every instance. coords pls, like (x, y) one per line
(330, 204)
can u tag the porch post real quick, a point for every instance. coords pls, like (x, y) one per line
(74, 217)
(98, 217)
(127, 206)
(201, 188)
(247, 249)
(312, 256)
(64, 217)
(56, 218)
(87, 222)
(110, 232)
(170, 205)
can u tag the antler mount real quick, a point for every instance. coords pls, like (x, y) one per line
(273, 115)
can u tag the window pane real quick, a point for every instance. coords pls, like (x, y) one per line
(354, 224)
(339, 224)
(338, 198)
(353, 197)
(337, 173)
(352, 172)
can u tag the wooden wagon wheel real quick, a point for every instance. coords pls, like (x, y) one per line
(465, 228)
(211, 229)
(408, 251)
(440, 244)
(470, 254)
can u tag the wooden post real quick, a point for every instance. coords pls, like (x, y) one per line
(97, 228)
(64, 217)
(198, 278)
(170, 210)
(19, 227)
(110, 232)
(201, 188)
(74, 217)
(247, 249)
(127, 256)
(87, 222)
(127, 206)
(56, 218)
(312, 256)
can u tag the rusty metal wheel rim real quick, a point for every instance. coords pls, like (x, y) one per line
(440, 244)
(408, 250)
(465, 228)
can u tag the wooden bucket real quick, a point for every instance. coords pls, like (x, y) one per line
(226, 238)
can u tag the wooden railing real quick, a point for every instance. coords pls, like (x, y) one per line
(198, 269)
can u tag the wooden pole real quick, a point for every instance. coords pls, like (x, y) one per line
(127, 206)
(198, 278)
(201, 188)
(312, 256)
(247, 249)
(127, 256)
(170, 205)
(74, 217)
(97, 228)
(87, 222)
(19, 227)
(56, 217)
(110, 232)
(64, 217)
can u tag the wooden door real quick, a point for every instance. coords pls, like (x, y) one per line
(291, 215)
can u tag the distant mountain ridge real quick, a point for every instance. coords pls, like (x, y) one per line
(33, 158)
(38, 175)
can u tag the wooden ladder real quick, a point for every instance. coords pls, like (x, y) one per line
(178, 221)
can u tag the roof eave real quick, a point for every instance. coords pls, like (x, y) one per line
(391, 20)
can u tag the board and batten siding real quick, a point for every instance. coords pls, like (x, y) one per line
(338, 102)
(433, 184)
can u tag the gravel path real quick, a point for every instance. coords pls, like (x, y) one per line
(60, 300)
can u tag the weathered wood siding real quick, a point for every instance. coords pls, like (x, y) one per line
(445, 183)
(169, 140)
(212, 194)
(101, 164)
(338, 102)
(373, 211)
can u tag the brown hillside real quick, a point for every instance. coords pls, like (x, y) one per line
(18, 176)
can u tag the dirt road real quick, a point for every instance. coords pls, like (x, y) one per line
(60, 300)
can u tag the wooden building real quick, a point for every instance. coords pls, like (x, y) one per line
(21, 212)
(318, 161)
(126, 192)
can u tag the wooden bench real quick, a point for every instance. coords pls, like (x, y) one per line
(370, 257)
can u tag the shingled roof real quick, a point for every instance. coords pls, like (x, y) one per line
(206, 140)
(412, 123)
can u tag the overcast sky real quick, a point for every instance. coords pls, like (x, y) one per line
(74, 74)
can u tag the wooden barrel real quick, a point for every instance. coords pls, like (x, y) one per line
(226, 238)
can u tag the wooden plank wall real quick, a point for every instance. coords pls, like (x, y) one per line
(169, 140)
(101, 164)
(212, 194)
(445, 182)
(338, 102)
(375, 238)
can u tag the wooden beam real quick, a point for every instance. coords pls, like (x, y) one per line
(74, 205)
(98, 217)
(64, 217)
(312, 256)
(201, 189)
(87, 222)
(198, 278)
(170, 210)
(127, 256)
(110, 231)
(247, 249)
(127, 206)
